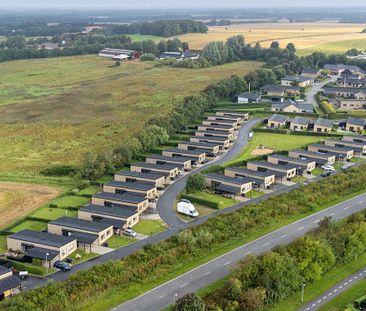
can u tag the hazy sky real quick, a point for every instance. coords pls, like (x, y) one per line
(139, 4)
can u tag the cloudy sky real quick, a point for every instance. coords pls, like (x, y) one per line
(138, 4)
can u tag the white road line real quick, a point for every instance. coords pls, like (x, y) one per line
(332, 214)
(298, 229)
(316, 221)
(360, 202)
(265, 244)
(345, 283)
(360, 274)
(313, 305)
(283, 236)
(340, 287)
(228, 263)
(207, 273)
(307, 308)
(350, 281)
(319, 301)
(185, 284)
(162, 296)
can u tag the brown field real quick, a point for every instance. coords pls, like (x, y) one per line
(261, 151)
(17, 200)
(303, 35)
(53, 111)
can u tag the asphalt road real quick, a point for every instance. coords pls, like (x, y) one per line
(335, 291)
(315, 89)
(166, 201)
(164, 295)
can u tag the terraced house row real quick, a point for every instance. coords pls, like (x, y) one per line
(122, 201)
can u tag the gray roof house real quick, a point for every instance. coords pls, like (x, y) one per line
(247, 97)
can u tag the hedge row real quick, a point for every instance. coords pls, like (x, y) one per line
(202, 201)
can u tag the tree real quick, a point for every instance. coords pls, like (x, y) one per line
(212, 53)
(149, 46)
(190, 302)
(185, 46)
(235, 46)
(16, 42)
(275, 45)
(147, 57)
(195, 182)
(162, 46)
(291, 48)
(173, 45)
(252, 299)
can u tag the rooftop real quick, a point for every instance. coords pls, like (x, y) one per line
(351, 90)
(278, 118)
(79, 224)
(228, 189)
(310, 71)
(291, 160)
(279, 88)
(241, 170)
(323, 122)
(196, 152)
(151, 176)
(233, 180)
(313, 154)
(301, 121)
(128, 197)
(171, 159)
(356, 121)
(198, 144)
(118, 211)
(42, 253)
(42, 238)
(273, 166)
(9, 283)
(250, 96)
(136, 185)
(166, 166)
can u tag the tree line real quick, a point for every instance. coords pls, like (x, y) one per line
(162, 28)
(271, 278)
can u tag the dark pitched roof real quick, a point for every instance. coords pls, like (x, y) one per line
(241, 170)
(176, 55)
(129, 197)
(219, 139)
(291, 160)
(351, 90)
(310, 71)
(301, 121)
(195, 152)
(233, 180)
(167, 166)
(116, 223)
(118, 211)
(310, 154)
(250, 96)
(356, 121)
(228, 189)
(79, 224)
(278, 118)
(199, 144)
(42, 238)
(4, 270)
(136, 185)
(323, 122)
(333, 149)
(151, 176)
(272, 166)
(172, 159)
(9, 283)
(86, 238)
(41, 253)
(221, 127)
(279, 88)
(299, 79)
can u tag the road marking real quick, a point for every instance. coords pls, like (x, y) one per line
(345, 283)
(346, 208)
(207, 273)
(360, 202)
(316, 221)
(332, 214)
(335, 290)
(330, 294)
(360, 274)
(313, 305)
(307, 308)
(350, 281)
(283, 236)
(265, 244)
(185, 284)
(340, 287)
(298, 229)
(228, 263)
(319, 301)
(162, 296)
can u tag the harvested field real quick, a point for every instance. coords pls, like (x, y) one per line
(303, 35)
(261, 151)
(17, 200)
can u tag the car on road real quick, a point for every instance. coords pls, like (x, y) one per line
(326, 174)
(130, 233)
(328, 167)
(63, 266)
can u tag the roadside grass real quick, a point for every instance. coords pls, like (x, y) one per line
(317, 171)
(150, 227)
(315, 289)
(340, 302)
(276, 142)
(299, 179)
(78, 105)
(28, 224)
(111, 298)
(119, 241)
(83, 257)
(221, 201)
(50, 213)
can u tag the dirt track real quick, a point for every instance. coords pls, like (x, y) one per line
(18, 200)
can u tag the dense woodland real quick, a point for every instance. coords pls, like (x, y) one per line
(160, 259)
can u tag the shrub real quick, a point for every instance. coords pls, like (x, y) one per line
(147, 57)
(60, 170)
(195, 182)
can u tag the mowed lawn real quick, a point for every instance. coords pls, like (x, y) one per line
(276, 142)
(303, 35)
(55, 110)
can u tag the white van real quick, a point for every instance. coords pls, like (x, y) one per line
(185, 207)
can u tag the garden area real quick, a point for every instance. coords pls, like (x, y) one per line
(150, 227)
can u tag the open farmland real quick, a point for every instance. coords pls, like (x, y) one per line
(55, 110)
(17, 200)
(303, 35)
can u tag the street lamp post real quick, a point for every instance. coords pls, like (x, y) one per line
(302, 293)
(47, 254)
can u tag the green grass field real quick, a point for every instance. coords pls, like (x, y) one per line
(2, 244)
(83, 256)
(50, 213)
(119, 241)
(55, 110)
(28, 224)
(70, 201)
(150, 227)
(138, 38)
(276, 142)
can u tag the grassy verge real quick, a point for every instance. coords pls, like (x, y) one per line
(80, 256)
(2, 244)
(315, 289)
(348, 297)
(28, 224)
(50, 213)
(217, 200)
(150, 227)
(119, 241)
(112, 297)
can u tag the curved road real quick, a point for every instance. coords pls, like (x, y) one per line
(335, 291)
(165, 294)
(166, 201)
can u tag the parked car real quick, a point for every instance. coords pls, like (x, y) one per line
(64, 266)
(250, 135)
(326, 174)
(23, 274)
(328, 167)
(130, 233)
(185, 207)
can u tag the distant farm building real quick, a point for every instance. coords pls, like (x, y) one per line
(118, 54)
